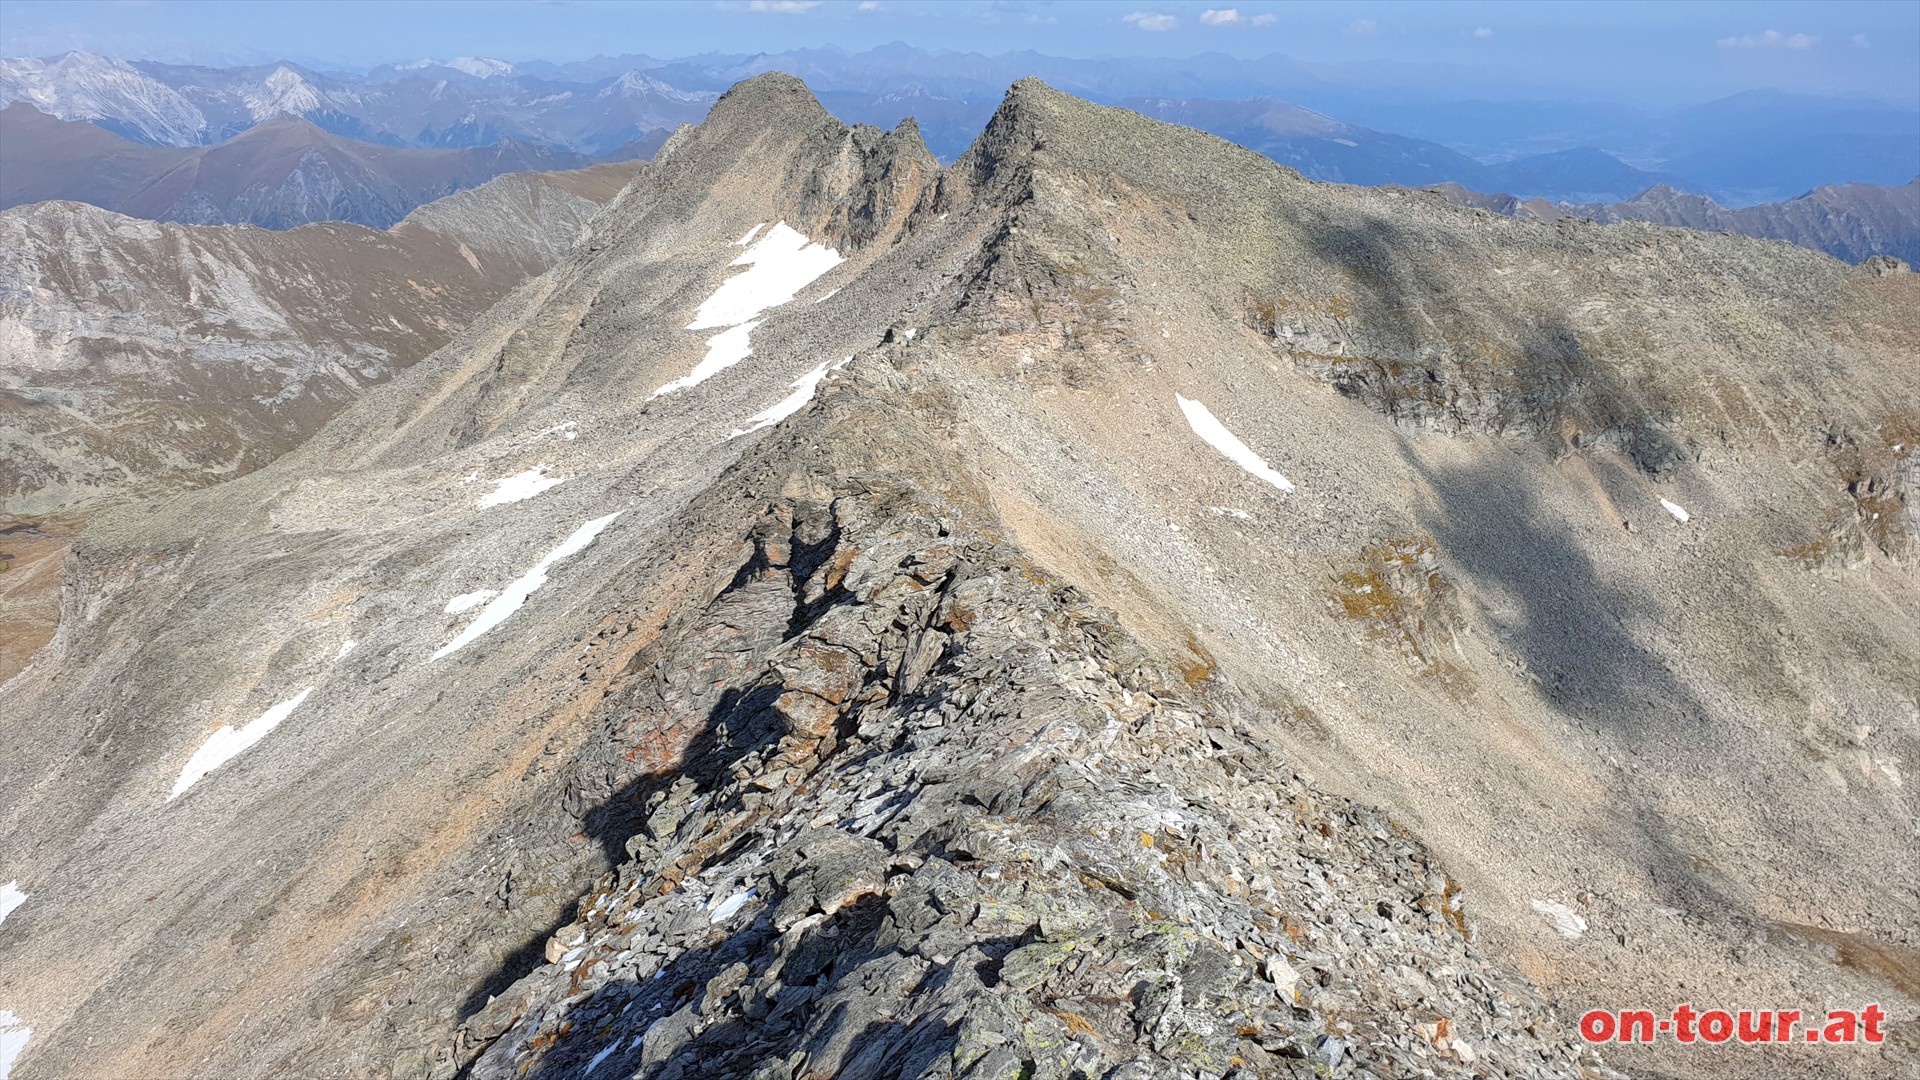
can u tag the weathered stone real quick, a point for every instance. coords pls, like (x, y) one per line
(807, 714)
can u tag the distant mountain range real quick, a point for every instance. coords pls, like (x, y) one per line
(279, 174)
(426, 105)
(281, 145)
(1323, 148)
(1750, 148)
(1848, 221)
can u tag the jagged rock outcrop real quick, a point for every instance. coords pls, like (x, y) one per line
(849, 616)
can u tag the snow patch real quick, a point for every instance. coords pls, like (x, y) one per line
(594, 1062)
(1567, 921)
(13, 1039)
(1216, 435)
(1679, 512)
(283, 93)
(525, 485)
(1231, 511)
(636, 84)
(10, 897)
(751, 233)
(525, 585)
(469, 601)
(568, 428)
(779, 265)
(724, 349)
(803, 390)
(731, 906)
(227, 743)
(344, 650)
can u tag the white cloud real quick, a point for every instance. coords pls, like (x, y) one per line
(1363, 28)
(784, 7)
(1265, 20)
(1483, 32)
(1017, 11)
(1147, 20)
(1220, 16)
(1772, 39)
(1859, 41)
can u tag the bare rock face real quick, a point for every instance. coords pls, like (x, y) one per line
(849, 617)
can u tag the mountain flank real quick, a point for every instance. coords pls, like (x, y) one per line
(1108, 607)
(143, 359)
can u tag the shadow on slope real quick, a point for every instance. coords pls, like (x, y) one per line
(643, 1027)
(1435, 351)
(1568, 623)
(1572, 627)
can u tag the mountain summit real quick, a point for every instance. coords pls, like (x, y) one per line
(1111, 607)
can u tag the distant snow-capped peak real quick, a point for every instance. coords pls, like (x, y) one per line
(911, 92)
(640, 84)
(85, 86)
(282, 93)
(480, 67)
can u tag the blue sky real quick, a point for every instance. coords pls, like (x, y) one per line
(1620, 50)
